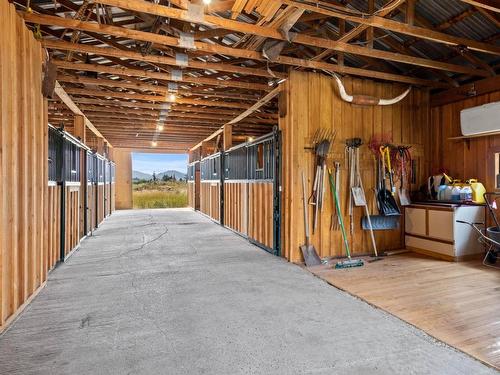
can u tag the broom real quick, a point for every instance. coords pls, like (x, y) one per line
(349, 263)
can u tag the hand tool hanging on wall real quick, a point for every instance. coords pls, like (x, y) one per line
(322, 140)
(358, 191)
(386, 203)
(334, 224)
(351, 147)
(349, 263)
(403, 160)
(309, 253)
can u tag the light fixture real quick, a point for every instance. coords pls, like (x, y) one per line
(250, 139)
(160, 127)
(207, 2)
(172, 97)
(154, 143)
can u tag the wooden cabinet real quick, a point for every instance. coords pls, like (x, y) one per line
(433, 230)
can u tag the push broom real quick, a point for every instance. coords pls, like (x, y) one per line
(349, 263)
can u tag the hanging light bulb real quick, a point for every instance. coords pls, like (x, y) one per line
(207, 2)
(172, 97)
(160, 127)
(154, 143)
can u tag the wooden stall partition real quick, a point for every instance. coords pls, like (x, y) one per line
(23, 166)
(91, 206)
(462, 158)
(236, 206)
(53, 228)
(72, 218)
(100, 203)
(210, 199)
(312, 102)
(260, 212)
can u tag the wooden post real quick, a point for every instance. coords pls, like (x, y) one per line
(369, 31)
(228, 136)
(100, 145)
(410, 12)
(79, 128)
(204, 149)
(110, 153)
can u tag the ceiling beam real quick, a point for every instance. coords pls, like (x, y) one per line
(152, 98)
(398, 27)
(123, 54)
(100, 68)
(237, 52)
(268, 32)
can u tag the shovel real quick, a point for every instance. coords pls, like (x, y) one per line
(309, 253)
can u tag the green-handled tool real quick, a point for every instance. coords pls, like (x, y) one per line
(349, 263)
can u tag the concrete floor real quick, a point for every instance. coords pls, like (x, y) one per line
(169, 292)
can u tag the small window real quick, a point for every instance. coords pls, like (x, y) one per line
(260, 157)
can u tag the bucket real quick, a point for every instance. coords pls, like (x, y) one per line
(493, 233)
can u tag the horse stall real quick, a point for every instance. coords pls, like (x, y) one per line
(54, 197)
(263, 192)
(100, 188)
(193, 185)
(64, 192)
(210, 186)
(91, 197)
(236, 189)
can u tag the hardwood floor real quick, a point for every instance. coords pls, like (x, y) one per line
(458, 303)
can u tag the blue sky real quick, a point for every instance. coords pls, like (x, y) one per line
(149, 163)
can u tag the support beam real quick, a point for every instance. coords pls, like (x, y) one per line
(79, 128)
(228, 136)
(74, 108)
(246, 113)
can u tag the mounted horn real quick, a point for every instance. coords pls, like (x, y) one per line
(396, 99)
(343, 94)
(366, 99)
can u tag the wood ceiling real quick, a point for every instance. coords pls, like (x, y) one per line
(120, 61)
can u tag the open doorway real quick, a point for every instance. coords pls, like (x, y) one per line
(159, 180)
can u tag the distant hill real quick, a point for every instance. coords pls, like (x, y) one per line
(136, 175)
(178, 175)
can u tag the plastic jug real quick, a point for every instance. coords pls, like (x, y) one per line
(447, 192)
(455, 192)
(442, 192)
(478, 191)
(466, 193)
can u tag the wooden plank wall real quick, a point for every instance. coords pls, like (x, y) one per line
(235, 206)
(53, 226)
(123, 178)
(209, 199)
(23, 166)
(464, 159)
(260, 212)
(191, 194)
(91, 207)
(311, 102)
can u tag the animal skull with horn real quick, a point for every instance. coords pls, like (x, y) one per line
(366, 99)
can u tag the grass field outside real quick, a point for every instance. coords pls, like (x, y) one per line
(159, 194)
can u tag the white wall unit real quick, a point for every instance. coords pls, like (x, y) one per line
(433, 229)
